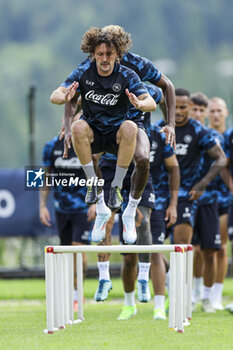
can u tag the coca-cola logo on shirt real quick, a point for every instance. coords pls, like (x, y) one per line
(107, 100)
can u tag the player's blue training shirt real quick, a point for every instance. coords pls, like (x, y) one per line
(223, 191)
(191, 139)
(229, 153)
(69, 199)
(104, 101)
(142, 66)
(158, 153)
(211, 192)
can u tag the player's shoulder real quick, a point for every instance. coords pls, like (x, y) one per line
(125, 71)
(132, 58)
(197, 126)
(228, 132)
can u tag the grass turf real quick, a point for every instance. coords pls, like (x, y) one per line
(21, 325)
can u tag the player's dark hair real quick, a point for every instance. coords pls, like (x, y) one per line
(200, 99)
(110, 36)
(182, 92)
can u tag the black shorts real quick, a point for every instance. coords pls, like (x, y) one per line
(185, 212)
(73, 228)
(158, 226)
(222, 210)
(207, 227)
(106, 142)
(230, 221)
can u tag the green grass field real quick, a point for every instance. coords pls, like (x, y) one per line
(23, 318)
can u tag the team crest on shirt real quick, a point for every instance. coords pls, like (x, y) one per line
(116, 87)
(188, 138)
(154, 145)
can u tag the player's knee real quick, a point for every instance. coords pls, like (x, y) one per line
(79, 129)
(222, 251)
(142, 160)
(129, 130)
(209, 256)
(130, 261)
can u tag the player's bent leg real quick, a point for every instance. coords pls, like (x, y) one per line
(126, 139)
(140, 174)
(82, 137)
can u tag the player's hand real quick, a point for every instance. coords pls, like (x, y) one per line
(70, 91)
(91, 213)
(139, 217)
(133, 99)
(45, 216)
(171, 215)
(169, 131)
(67, 143)
(197, 191)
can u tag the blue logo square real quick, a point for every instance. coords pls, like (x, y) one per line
(35, 178)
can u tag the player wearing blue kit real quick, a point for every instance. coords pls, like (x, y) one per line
(205, 235)
(217, 119)
(192, 140)
(69, 202)
(164, 170)
(106, 88)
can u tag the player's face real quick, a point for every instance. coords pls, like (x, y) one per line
(217, 114)
(105, 58)
(198, 113)
(182, 110)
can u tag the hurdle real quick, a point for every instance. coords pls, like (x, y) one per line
(59, 278)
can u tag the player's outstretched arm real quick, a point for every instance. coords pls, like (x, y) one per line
(143, 102)
(62, 94)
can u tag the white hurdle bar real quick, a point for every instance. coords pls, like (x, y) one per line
(59, 277)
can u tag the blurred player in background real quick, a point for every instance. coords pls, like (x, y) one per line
(207, 206)
(218, 113)
(192, 140)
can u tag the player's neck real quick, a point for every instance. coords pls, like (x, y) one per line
(183, 123)
(221, 128)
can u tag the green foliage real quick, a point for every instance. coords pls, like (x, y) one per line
(40, 44)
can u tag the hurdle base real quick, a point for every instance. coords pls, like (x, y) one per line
(79, 320)
(46, 331)
(186, 323)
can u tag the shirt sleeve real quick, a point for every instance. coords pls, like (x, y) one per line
(148, 71)
(206, 139)
(135, 84)
(74, 76)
